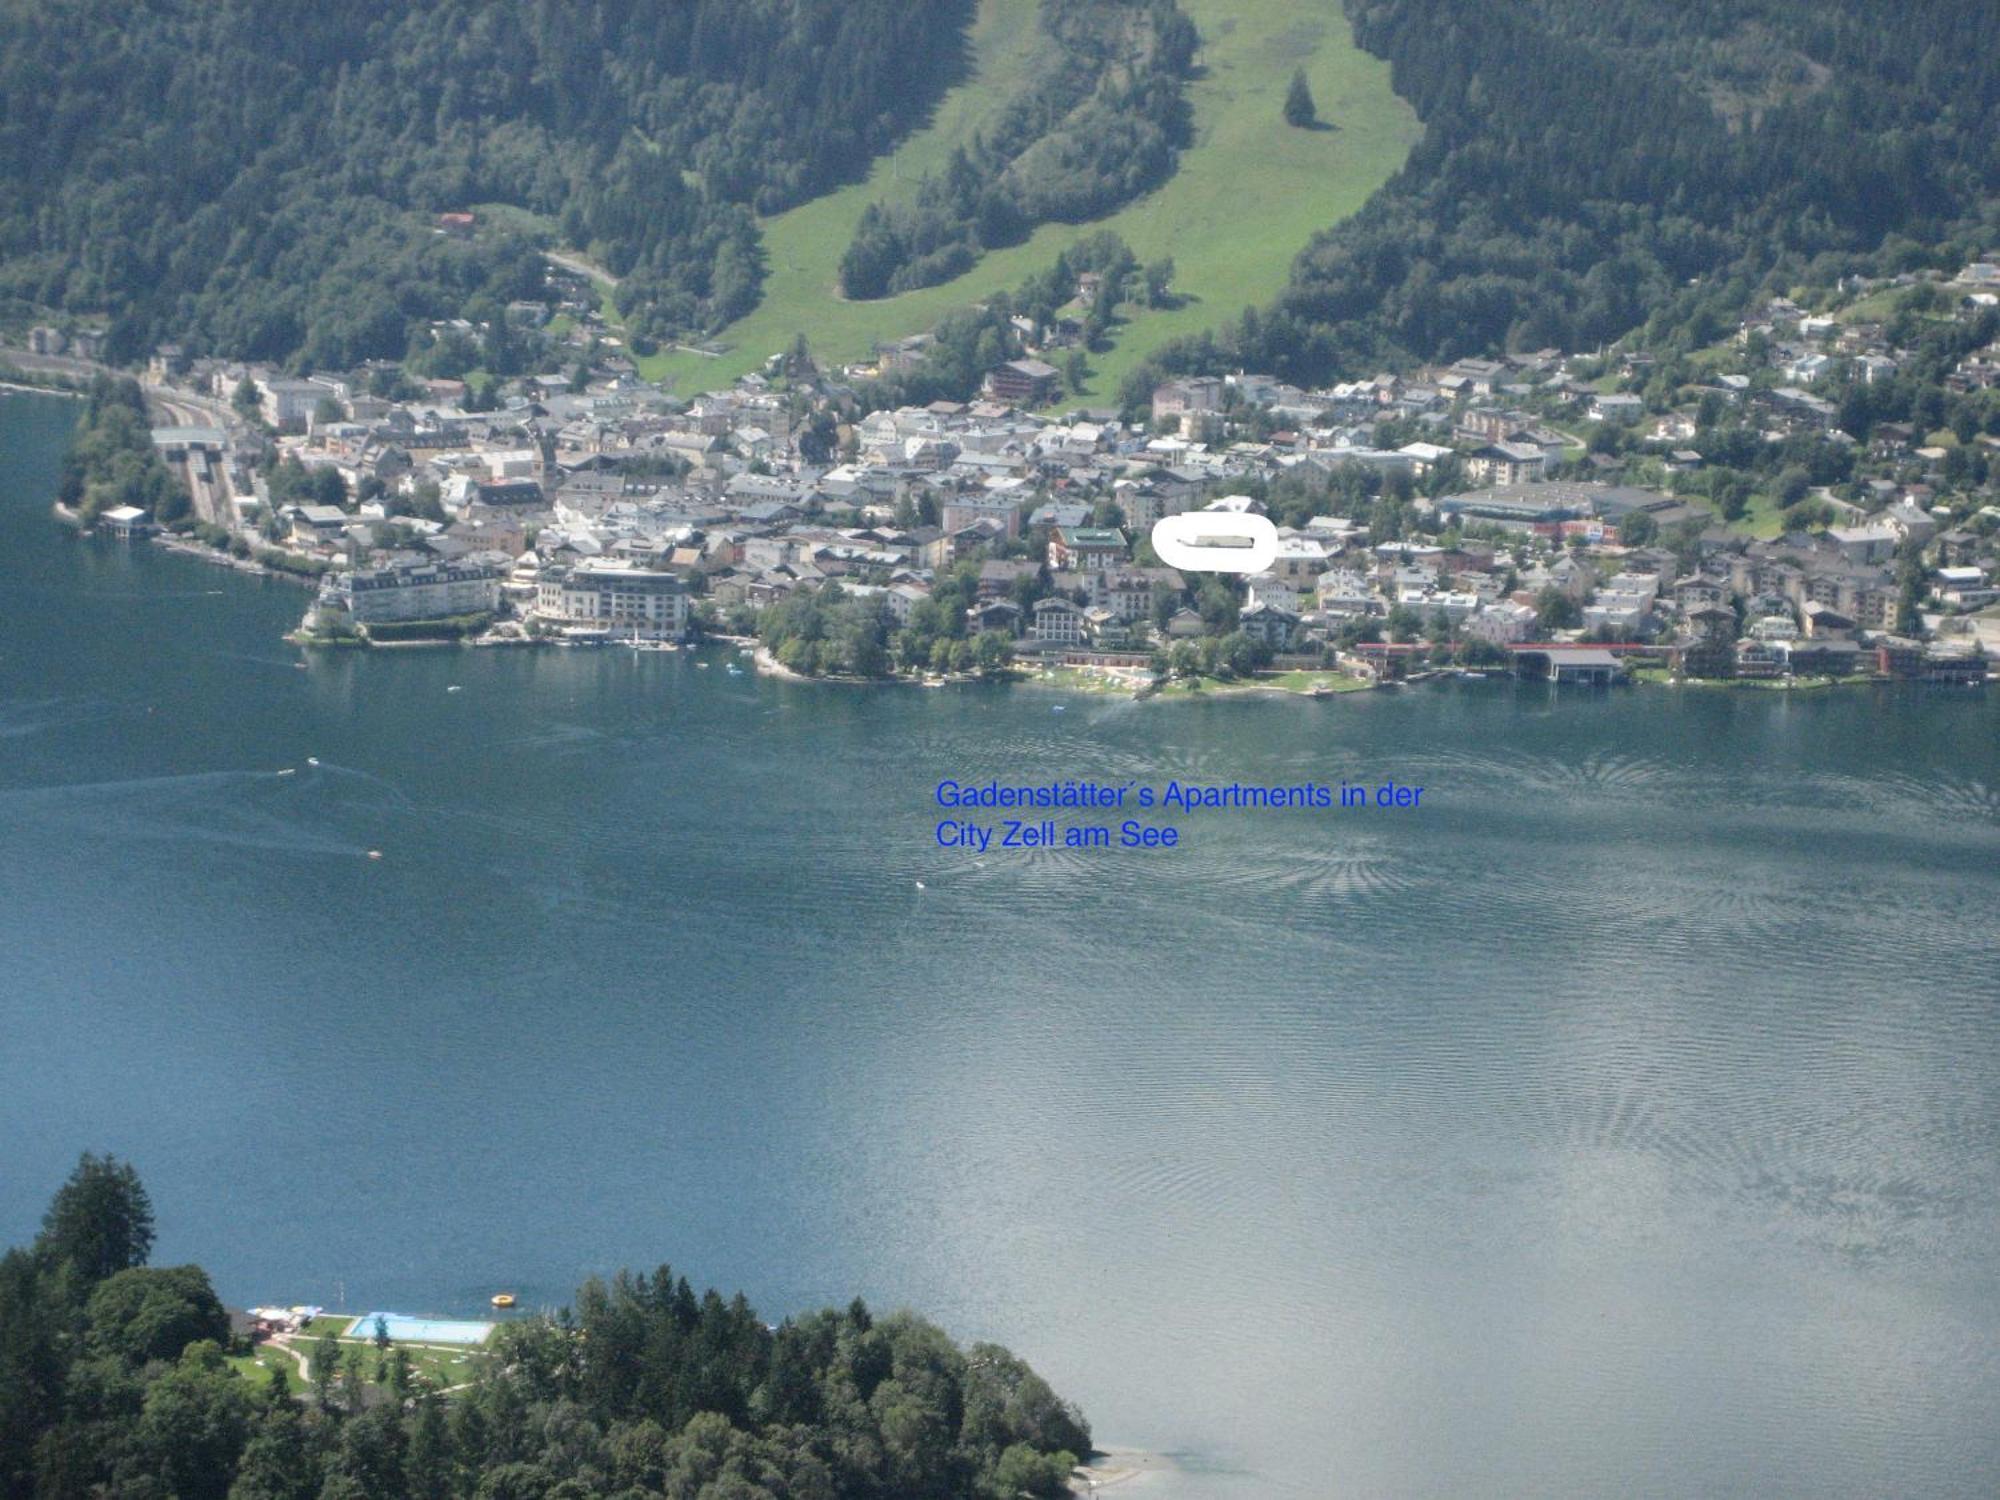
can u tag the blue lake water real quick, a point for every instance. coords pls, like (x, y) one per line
(1626, 1121)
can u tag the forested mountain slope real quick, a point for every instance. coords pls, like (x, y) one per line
(260, 177)
(1588, 166)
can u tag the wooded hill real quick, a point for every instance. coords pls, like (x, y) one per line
(262, 177)
(1591, 166)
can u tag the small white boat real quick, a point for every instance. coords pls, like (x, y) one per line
(454, 688)
(312, 760)
(289, 771)
(374, 853)
(921, 886)
(703, 665)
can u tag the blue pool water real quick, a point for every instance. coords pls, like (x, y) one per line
(420, 1330)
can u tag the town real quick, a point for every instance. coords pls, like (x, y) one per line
(1746, 513)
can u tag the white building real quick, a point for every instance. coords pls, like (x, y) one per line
(1271, 589)
(514, 463)
(290, 403)
(1344, 591)
(1620, 612)
(1430, 603)
(612, 595)
(1129, 596)
(414, 591)
(1503, 624)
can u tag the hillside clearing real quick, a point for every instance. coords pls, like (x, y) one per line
(1248, 194)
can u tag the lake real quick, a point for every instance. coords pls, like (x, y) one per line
(1623, 1120)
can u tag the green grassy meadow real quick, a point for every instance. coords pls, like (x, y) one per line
(1248, 193)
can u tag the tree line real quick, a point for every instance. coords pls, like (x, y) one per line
(116, 1379)
(832, 631)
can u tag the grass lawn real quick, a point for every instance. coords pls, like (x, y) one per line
(1203, 687)
(255, 1368)
(1763, 517)
(1311, 682)
(1248, 193)
(438, 1363)
(1290, 682)
(442, 1363)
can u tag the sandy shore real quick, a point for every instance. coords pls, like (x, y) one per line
(766, 662)
(1123, 1469)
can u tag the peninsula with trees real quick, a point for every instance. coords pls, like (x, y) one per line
(122, 1378)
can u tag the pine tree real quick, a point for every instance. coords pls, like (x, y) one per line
(1299, 108)
(101, 1221)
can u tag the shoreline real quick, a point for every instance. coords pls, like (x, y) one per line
(16, 387)
(1117, 682)
(768, 665)
(1125, 1470)
(187, 548)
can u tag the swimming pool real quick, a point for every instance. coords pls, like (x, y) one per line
(420, 1330)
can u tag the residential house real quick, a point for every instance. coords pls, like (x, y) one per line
(1502, 624)
(1058, 622)
(1272, 624)
(1024, 382)
(1506, 463)
(994, 614)
(319, 525)
(962, 511)
(1192, 393)
(1086, 549)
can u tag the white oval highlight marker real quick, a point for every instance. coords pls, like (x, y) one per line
(1216, 541)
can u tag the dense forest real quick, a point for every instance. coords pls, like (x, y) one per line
(116, 1379)
(1102, 121)
(261, 178)
(1591, 166)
